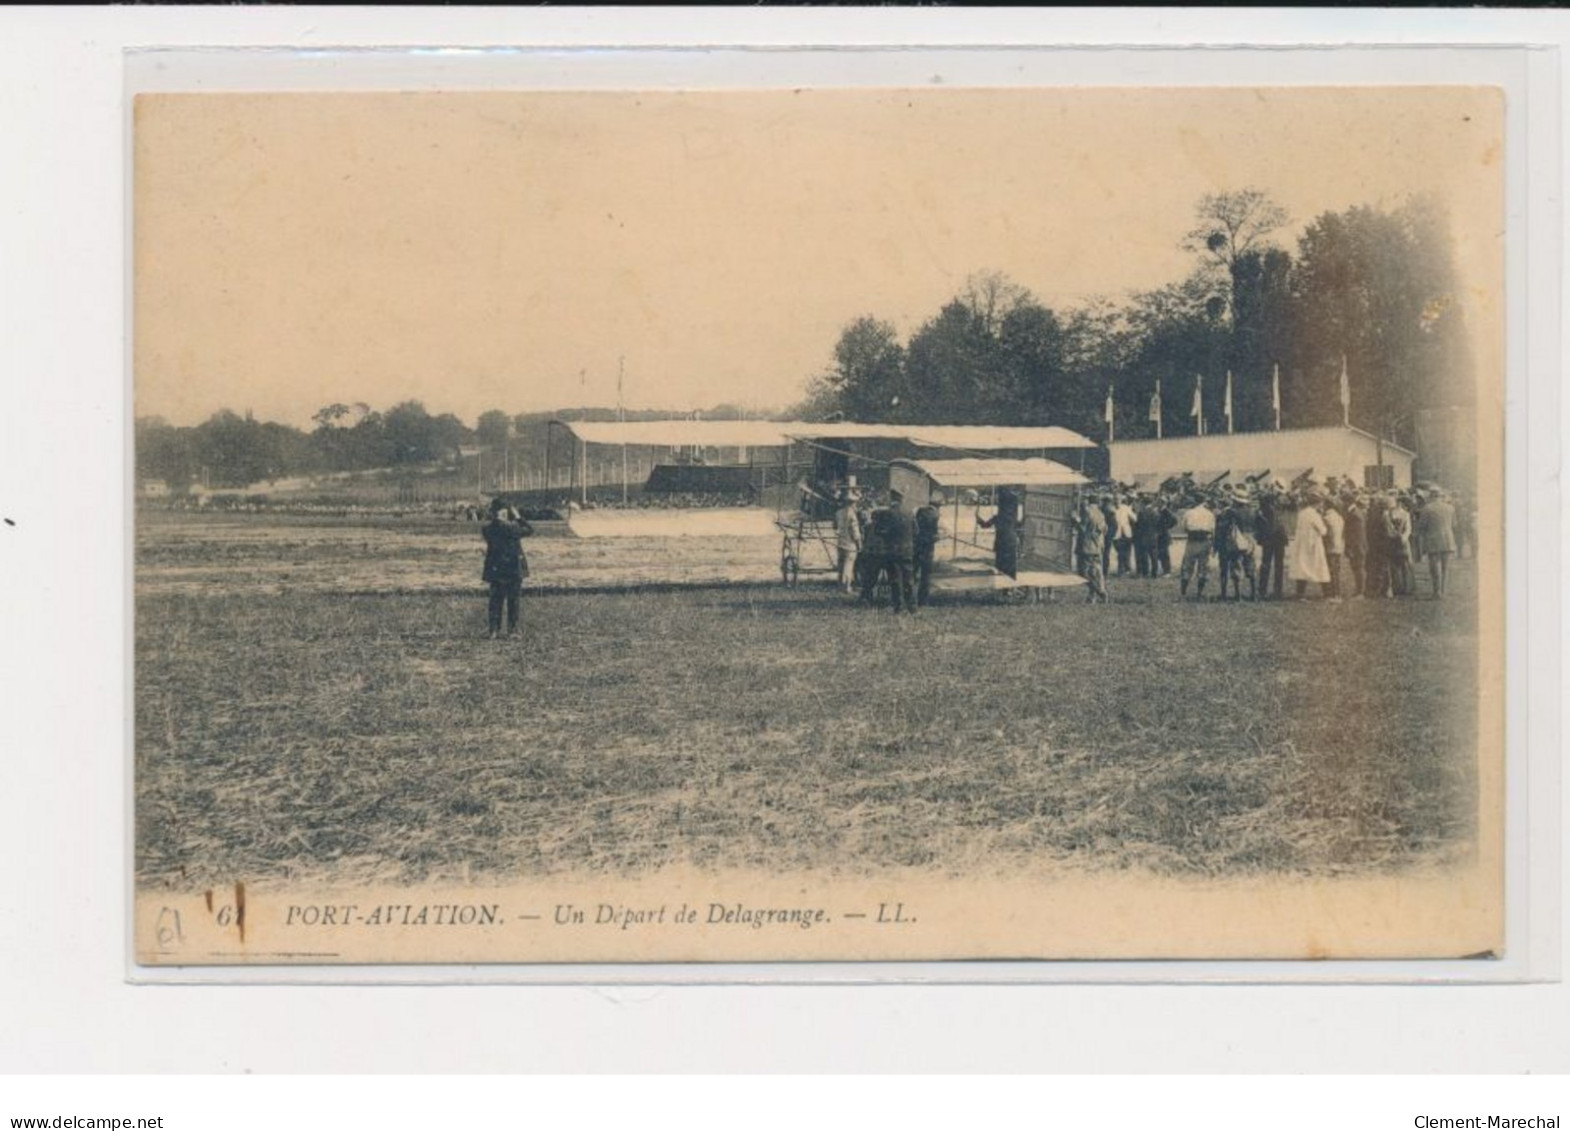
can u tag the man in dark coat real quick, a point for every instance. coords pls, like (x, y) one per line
(1275, 515)
(1376, 549)
(899, 553)
(1005, 532)
(873, 557)
(926, 546)
(1436, 525)
(1165, 521)
(505, 565)
(1353, 537)
(1145, 537)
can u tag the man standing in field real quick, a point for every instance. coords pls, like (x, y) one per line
(1436, 525)
(927, 519)
(1274, 519)
(1242, 544)
(1145, 537)
(1005, 524)
(1092, 539)
(1123, 526)
(1165, 521)
(1198, 526)
(505, 565)
(1398, 527)
(1308, 548)
(1335, 544)
(870, 562)
(898, 536)
(847, 538)
(1353, 513)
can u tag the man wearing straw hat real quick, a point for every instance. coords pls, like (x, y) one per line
(847, 537)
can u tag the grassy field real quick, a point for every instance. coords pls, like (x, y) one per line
(300, 733)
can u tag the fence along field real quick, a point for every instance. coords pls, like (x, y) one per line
(314, 702)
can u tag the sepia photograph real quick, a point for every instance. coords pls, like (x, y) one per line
(818, 524)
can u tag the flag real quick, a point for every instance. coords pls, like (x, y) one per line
(1226, 407)
(1107, 416)
(1275, 393)
(1198, 409)
(1155, 403)
(1346, 391)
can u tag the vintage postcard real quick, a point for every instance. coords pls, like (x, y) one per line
(818, 524)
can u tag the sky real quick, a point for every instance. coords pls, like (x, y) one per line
(514, 250)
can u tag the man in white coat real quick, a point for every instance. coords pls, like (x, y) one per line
(1306, 559)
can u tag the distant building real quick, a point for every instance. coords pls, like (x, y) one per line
(1347, 453)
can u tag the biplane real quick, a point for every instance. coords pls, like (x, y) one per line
(787, 476)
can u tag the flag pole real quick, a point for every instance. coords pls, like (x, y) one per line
(1158, 408)
(621, 415)
(1346, 396)
(1275, 392)
(1229, 402)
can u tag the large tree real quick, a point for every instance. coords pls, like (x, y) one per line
(1378, 289)
(1231, 225)
(868, 376)
(491, 428)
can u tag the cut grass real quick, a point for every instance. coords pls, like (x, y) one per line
(314, 736)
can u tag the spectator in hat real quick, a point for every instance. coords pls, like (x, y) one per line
(1376, 529)
(1398, 531)
(1145, 532)
(898, 536)
(1166, 520)
(928, 519)
(1335, 544)
(871, 560)
(1123, 533)
(1274, 520)
(1109, 514)
(1243, 539)
(1308, 561)
(1197, 524)
(1005, 525)
(1353, 540)
(505, 565)
(1437, 527)
(1223, 539)
(1092, 529)
(847, 538)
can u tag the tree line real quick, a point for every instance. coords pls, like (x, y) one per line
(232, 449)
(1373, 289)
